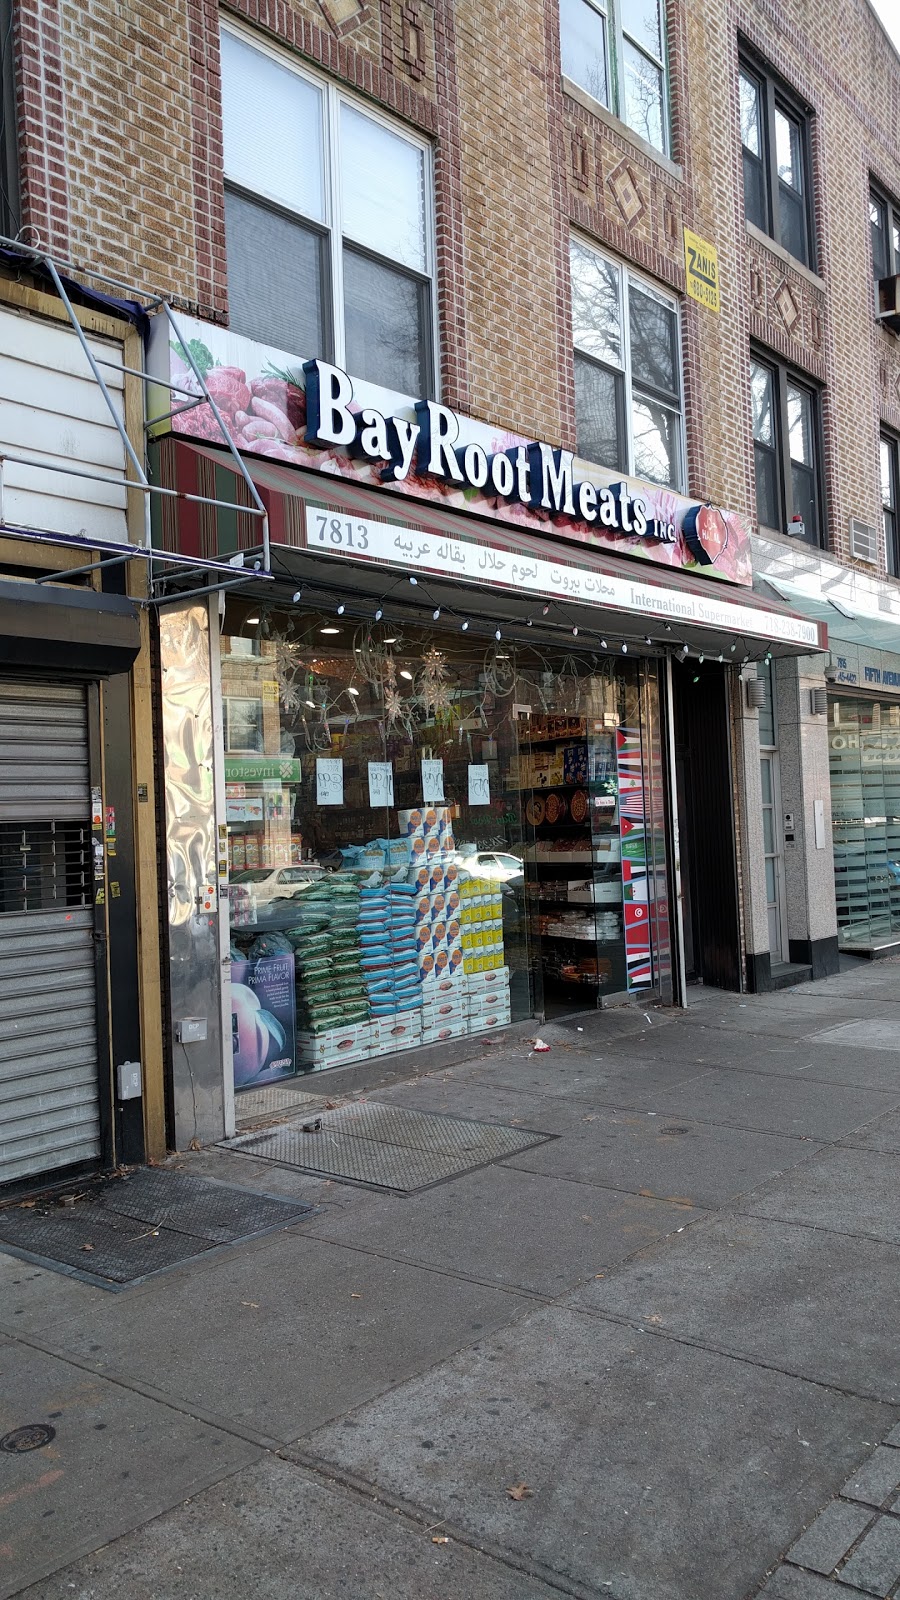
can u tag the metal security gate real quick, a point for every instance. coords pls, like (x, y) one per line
(49, 1091)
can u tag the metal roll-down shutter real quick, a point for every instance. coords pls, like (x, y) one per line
(49, 1102)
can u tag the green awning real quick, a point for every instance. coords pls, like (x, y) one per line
(857, 624)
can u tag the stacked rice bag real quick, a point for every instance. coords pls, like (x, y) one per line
(386, 931)
(331, 989)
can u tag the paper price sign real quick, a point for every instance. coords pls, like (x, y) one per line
(479, 786)
(432, 781)
(329, 781)
(381, 783)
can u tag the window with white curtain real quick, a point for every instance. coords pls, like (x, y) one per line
(327, 221)
(628, 407)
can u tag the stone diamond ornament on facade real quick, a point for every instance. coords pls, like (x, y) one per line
(787, 306)
(625, 191)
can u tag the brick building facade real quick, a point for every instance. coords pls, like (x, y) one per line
(539, 131)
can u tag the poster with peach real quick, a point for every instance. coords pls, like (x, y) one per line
(260, 395)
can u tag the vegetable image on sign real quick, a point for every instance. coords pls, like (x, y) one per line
(705, 534)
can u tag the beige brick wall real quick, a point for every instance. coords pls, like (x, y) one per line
(122, 171)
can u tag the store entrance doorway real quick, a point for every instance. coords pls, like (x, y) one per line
(710, 925)
(595, 860)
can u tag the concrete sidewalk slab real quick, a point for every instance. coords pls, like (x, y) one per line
(276, 1532)
(803, 1301)
(882, 1133)
(666, 1157)
(655, 1468)
(285, 1334)
(513, 1228)
(701, 1048)
(848, 1190)
(778, 1105)
(116, 1460)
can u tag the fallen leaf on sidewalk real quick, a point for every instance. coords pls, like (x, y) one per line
(195, 1144)
(27, 1205)
(440, 1538)
(253, 1304)
(519, 1491)
(356, 1297)
(87, 1247)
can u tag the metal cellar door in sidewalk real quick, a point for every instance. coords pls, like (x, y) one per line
(49, 1092)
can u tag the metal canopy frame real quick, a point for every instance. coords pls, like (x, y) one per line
(234, 573)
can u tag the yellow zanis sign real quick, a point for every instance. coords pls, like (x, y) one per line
(701, 264)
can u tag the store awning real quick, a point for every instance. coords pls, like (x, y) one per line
(75, 632)
(855, 623)
(485, 569)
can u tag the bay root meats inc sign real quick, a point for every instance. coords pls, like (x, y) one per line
(311, 414)
(403, 548)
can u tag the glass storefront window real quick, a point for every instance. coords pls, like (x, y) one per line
(400, 802)
(864, 756)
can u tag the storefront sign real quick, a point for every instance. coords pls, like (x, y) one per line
(857, 667)
(701, 270)
(457, 558)
(249, 769)
(311, 414)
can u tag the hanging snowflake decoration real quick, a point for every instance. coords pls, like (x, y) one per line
(433, 688)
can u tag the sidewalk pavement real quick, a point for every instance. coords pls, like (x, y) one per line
(637, 1361)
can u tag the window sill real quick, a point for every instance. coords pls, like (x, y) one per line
(790, 540)
(599, 110)
(758, 237)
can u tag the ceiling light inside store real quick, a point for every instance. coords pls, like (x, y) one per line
(392, 639)
(251, 621)
(405, 674)
(500, 657)
(329, 630)
(353, 691)
(311, 704)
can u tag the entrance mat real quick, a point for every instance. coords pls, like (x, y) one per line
(122, 1230)
(386, 1146)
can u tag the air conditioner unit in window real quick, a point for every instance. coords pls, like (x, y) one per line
(889, 302)
(863, 542)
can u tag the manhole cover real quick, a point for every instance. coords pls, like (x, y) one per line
(389, 1147)
(32, 1437)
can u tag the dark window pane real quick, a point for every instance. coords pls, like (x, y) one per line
(803, 501)
(640, 19)
(755, 209)
(583, 47)
(878, 224)
(767, 512)
(598, 414)
(275, 276)
(654, 357)
(793, 222)
(386, 325)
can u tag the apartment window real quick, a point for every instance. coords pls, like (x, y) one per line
(884, 223)
(890, 501)
(616, 52)
(627, 370)
(785, 419)
(775, 148)
(327, 223)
